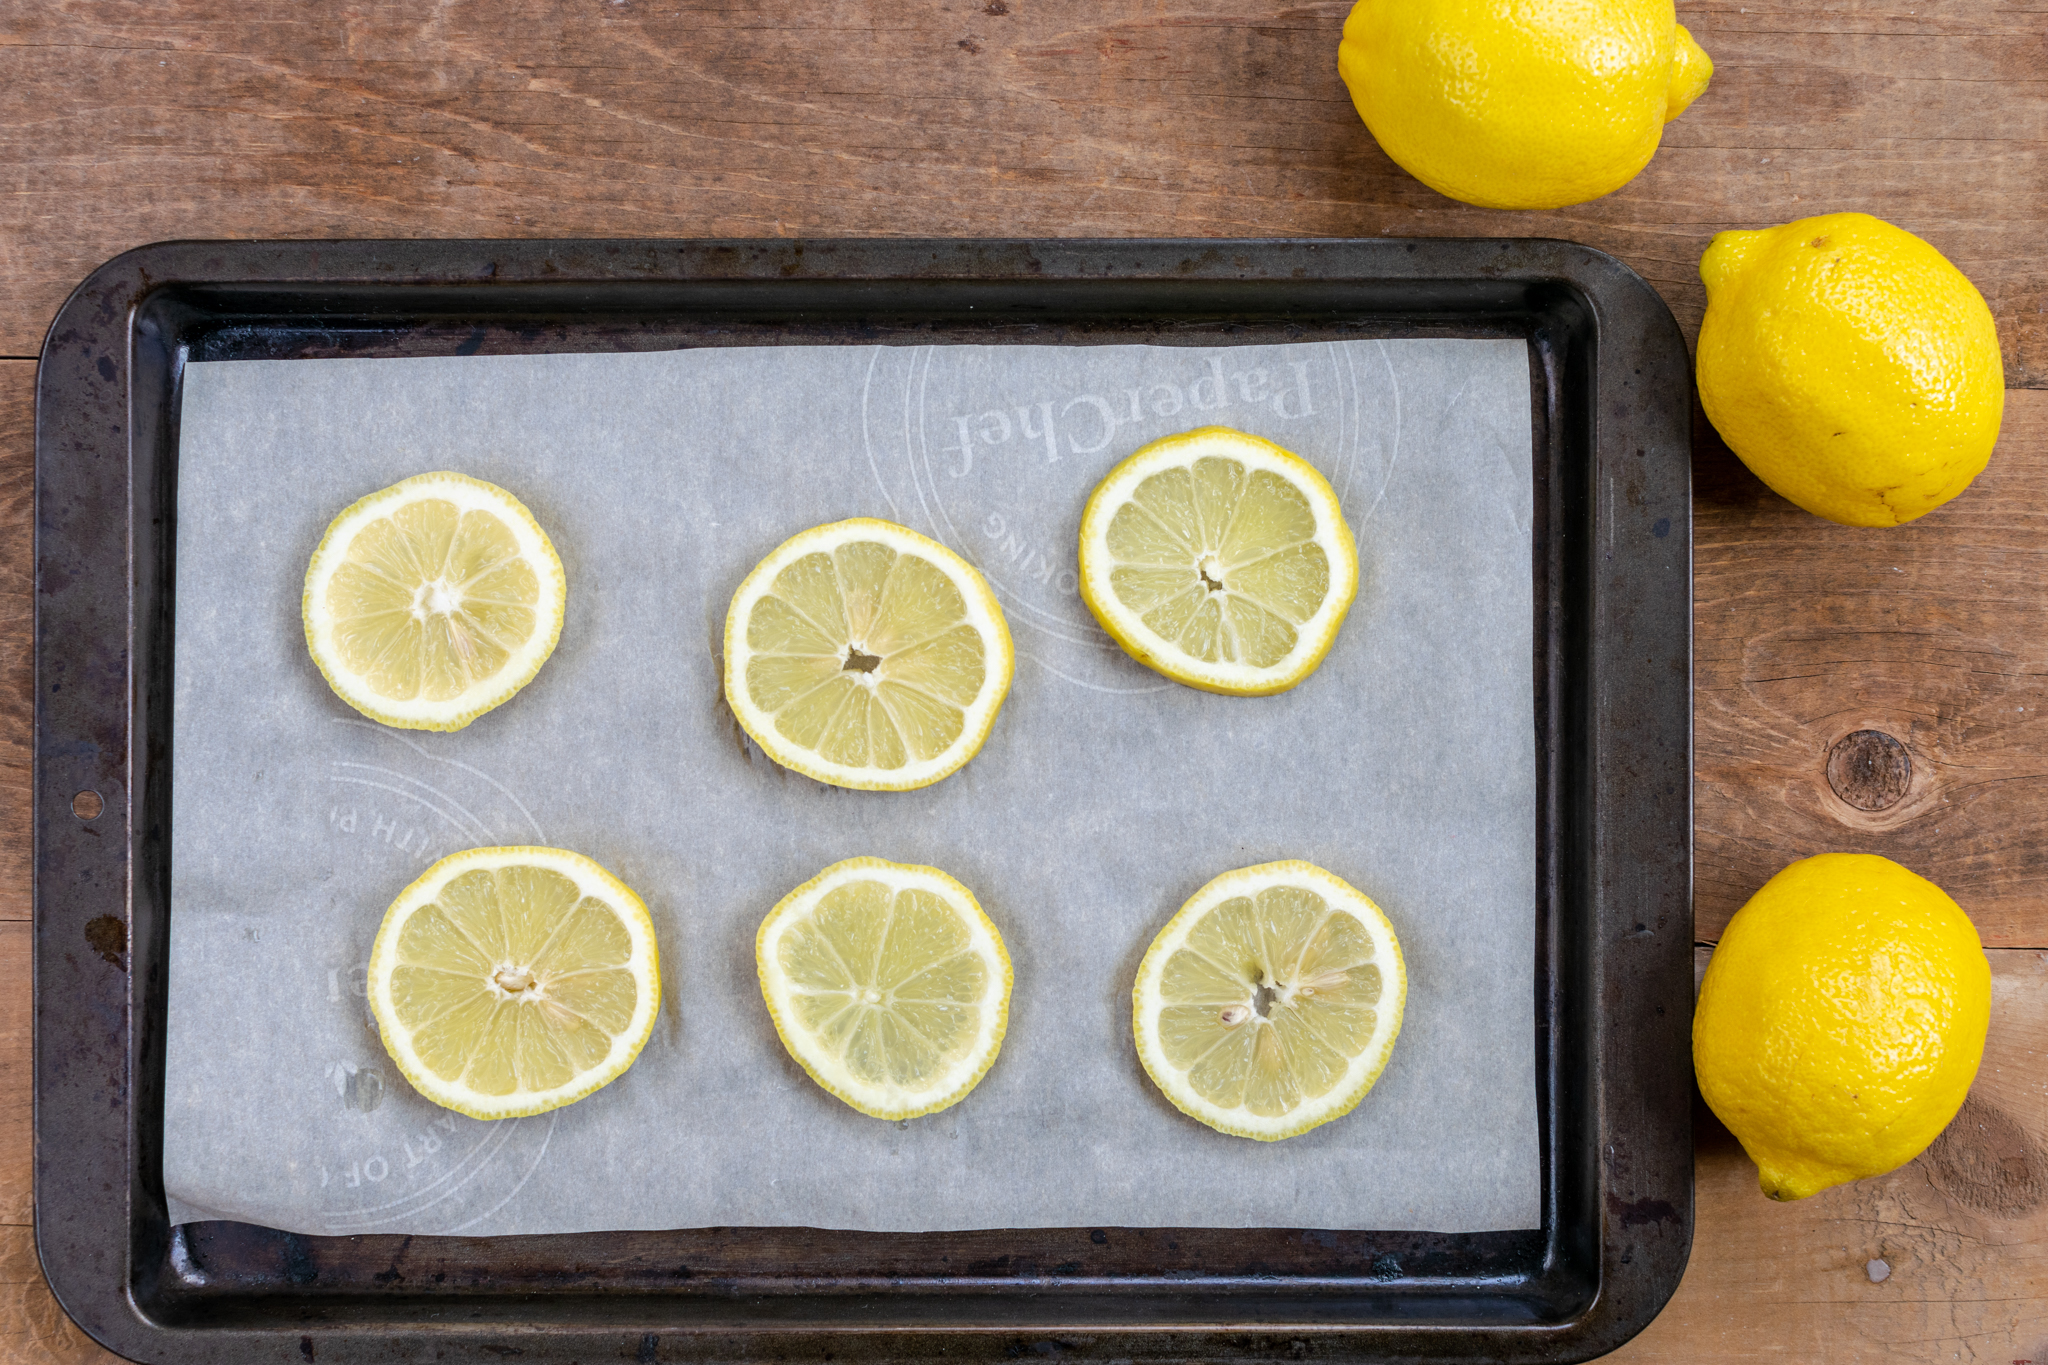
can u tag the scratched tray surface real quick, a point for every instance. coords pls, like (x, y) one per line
(1609, 574)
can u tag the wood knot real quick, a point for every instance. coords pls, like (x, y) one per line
(1870, 770)
(1985, 1161)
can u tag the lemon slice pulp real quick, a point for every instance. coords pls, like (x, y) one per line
(1220, 560)
(432, 601)
(1269, 1004)
(864, 655)
(510, 981)
(887, 984)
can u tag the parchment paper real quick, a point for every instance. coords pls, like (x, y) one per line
(1104, 798)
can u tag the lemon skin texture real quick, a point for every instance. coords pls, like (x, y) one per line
(1520, 104)
(1850, 366)
(1841, 1021)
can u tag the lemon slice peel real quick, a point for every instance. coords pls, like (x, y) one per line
(484, 974)
(488, 616)
(1340, 985)
(790, 932)
(1200, 551)
(866, 638)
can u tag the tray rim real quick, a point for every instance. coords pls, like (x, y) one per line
(88, 373)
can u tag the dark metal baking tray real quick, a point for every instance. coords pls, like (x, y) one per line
(1610, 1003)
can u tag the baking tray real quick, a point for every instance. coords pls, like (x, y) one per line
(1610, 1002)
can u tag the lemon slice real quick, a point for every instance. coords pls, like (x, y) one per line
(1269, 1004)
(511, 981)
(432, 601)
(1220, 560)
(887, 984)
(864, 655)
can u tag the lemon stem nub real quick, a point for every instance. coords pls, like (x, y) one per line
(857, 662)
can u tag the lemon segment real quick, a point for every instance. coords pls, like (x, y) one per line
(1841, 1021)
(1220, 560)
(887, 984)
(512, 981)
(866, 655)
(1270, 1003)
(430, 602)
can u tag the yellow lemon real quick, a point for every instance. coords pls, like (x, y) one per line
(1520, 104)
(1841, 1021)
(1850, 366)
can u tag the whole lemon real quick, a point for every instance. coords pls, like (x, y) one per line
(1850, 366)
(1520, 104)
(1841, 1021)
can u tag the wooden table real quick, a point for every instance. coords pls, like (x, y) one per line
(124, 122)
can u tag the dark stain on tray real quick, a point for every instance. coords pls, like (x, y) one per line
(108, 937)
(1640, 1212)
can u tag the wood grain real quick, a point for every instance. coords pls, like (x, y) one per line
(32, 1326)
(127, 121)
(1935, 633)
(17, 1169)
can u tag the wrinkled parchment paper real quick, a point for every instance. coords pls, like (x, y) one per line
(1104, 798)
